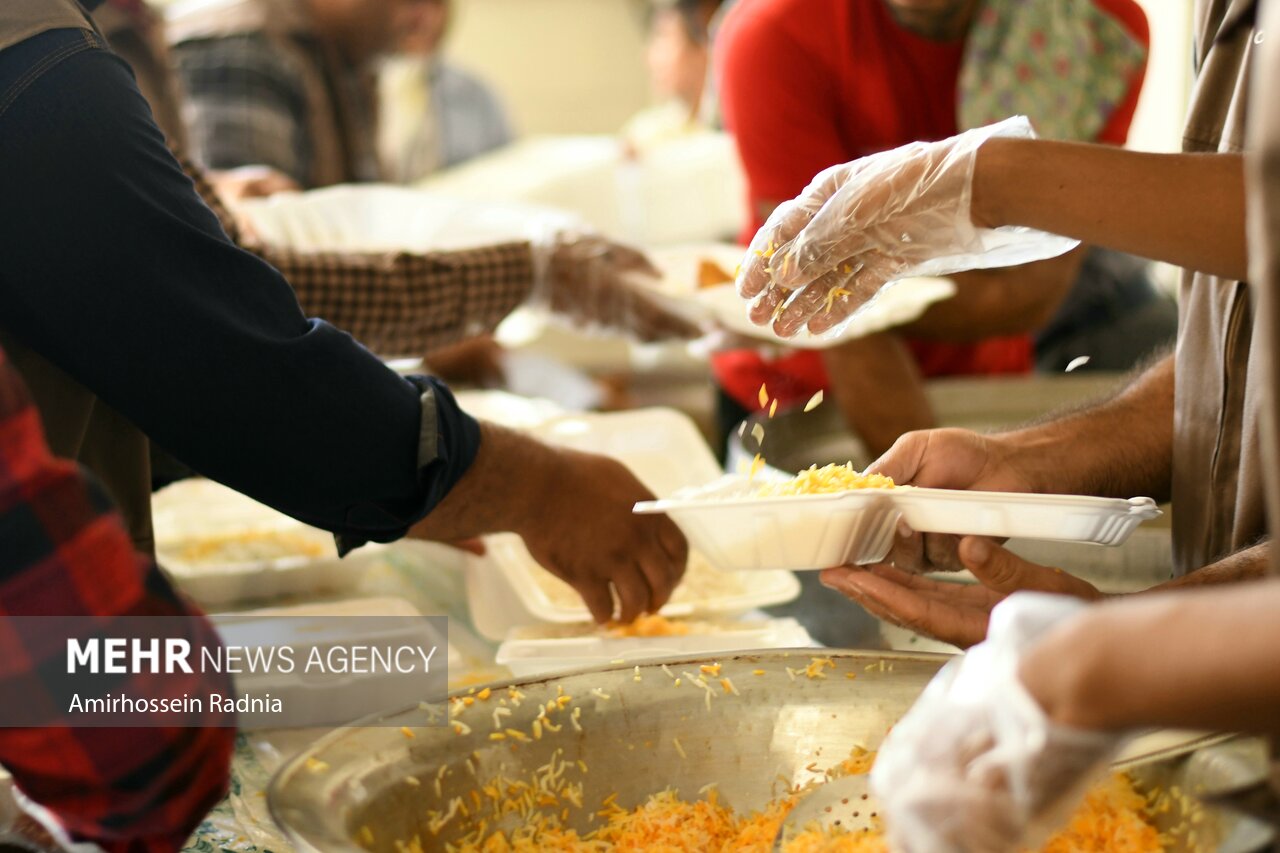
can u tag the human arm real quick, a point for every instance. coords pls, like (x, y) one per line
(67, 554)
(1120, 447)
(410, 303)
(1001, 744)
(120, 276)
(1184, 209)
(915, 212)
(1184, 661)
(204, 347)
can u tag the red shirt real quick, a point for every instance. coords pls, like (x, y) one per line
(807, 84)
(64, 552)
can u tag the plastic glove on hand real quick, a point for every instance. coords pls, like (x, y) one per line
(864, 224)
(976, 765)
(596, 282)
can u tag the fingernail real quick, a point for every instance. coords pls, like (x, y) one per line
(904, 529)
(977, 550)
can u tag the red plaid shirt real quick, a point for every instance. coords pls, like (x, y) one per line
(64, 552)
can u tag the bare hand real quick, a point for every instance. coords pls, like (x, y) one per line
(953, 612)
(945, 459)
(585, 533)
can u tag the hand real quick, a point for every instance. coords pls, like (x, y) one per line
(861, 225)
(596, 282)
(953, 612)
(234, 185)
(976, 765)
(473, 361)
(584, 532)
(573, 511)
(946, 459)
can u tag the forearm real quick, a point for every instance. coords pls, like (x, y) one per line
(1249, 564)
(486, 499)
(200, 344)
(1185, 209)
(998, 302)
(394, 303)
(1201, 661)
(1120, 448)
(408, 304)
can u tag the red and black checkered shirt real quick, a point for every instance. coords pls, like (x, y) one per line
(64, 552)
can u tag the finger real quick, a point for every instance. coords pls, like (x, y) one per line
(786, 221)
(765, 307)
(655, 568)
(803, 304)
(1000, 569)
(676, 548)
(904, 459)
(904, 607)
(946, 592)
(867, 276)
(633, 593)
(596, 595)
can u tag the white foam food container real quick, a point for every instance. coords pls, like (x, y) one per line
(222, 548)
(533, 652)
(750, 534)
(744, 532)
(897, 303)
(507, 588)
(1061, 518)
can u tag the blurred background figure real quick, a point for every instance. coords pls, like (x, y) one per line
(433, 114)
(806, 84)
(678, 58)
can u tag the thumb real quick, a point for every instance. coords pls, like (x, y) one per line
(902, 461)
(998, 568)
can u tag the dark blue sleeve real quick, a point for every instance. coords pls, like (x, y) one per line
(114, 270)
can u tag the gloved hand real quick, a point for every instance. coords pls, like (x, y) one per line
(976, 765)
(596, 282)
(861, 225)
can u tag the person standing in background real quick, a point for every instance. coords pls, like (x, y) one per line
(432, 114)
(807, 84)
(678, 57)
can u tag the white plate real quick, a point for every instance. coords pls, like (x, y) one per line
(529, 655)
(665, 451)
(897, 303)
(746, 533)
(197, 510)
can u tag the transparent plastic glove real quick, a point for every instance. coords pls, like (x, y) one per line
(975, 765)
(861, 225)
(595, 282)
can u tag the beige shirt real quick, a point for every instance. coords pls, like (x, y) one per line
(1262, 184)
(1218, 493)
(77, 424)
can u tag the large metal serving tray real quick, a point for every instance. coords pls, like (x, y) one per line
(781, 728)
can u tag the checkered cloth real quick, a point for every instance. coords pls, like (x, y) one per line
(396, 303)
(64, 552)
